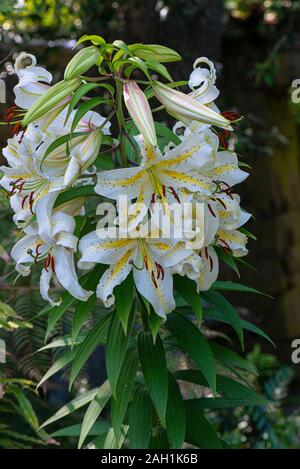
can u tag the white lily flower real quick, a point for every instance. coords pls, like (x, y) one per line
(201, 266)
(149, 259)
(160, 178)
(57, 255)
(33, 80)
(202, 81)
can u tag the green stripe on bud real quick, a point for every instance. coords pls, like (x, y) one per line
(53, 97)
(154, 52)
(140, 111)
(82, 62)
(187, 108)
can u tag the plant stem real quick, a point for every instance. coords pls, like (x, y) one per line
(121, 122)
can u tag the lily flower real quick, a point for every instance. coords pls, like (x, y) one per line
(201, 266)
(33, 80)
(202, 82)
(57, 255)
(161, 177)
(144, 257)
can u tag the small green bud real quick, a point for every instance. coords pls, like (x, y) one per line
(53, 97)
(82, 62)
(154, 52)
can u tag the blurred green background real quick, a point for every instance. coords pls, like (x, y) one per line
(255, 45)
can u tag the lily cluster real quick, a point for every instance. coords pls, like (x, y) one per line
(56, 144)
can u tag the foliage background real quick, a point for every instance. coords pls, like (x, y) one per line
(256, 46)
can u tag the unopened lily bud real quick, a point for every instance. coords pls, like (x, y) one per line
(72, 172)
(154, 52)
(54, 96)
(185, 107)
(82, 62)
(82, 156)
(140, 111)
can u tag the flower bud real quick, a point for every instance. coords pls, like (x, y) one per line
(82, 62)
(53, 97)
(186, 108)
(139, 110)
(82, 156)
(154, 52)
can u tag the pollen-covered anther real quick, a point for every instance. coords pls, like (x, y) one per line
(174, 193)
(211, 210)
(225, 245)
(31, 201)
(153, 279)
(160, 271)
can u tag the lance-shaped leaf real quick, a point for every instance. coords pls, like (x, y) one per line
(94, 410)
(195, 344)
(140, 418)
(154, 366)
(175, 417)
(124, 390)
(200, 432)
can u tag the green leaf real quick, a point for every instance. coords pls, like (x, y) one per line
(109, 441)
(84, 308)
(159, 438)
(159, 68)
(60, 363)
(187, 289)
(65, 341)
(25, 408)
(154, 366)
(73, 193)
(94, 39)
(104, 162)
(84, 108)
(94, 410)
(195, 344)
(96, 336)
(230, 358)
(227, 310)
(60, 141)
(115, 351)
(124, 390)
(228, 259)
(233, 286)
(74, 430)
(73, 405)
(140, 417)
(225, 386)
(79, 93)
(217, 316)
(199, 431)
(223, 402)
(175, 416)
(124, 295)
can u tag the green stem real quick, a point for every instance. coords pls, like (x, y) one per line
(121, 122)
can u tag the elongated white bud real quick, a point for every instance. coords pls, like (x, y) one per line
(53, 97)
(182, 105)
(140, 111)
(82, 156)
(82, 62)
